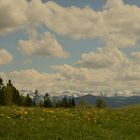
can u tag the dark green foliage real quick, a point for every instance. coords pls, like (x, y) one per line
(1, 92)
(71, 102)
(83, 104)
(47, 103)
(67, 102)
(8, 94)
(100, 103)
(64, 102)
(36, 92)
(10, 83)
(1, 82)
(28, 101)
(2, 96)
(47, 95)
(16, 98)
(57, 103)
(22, 99)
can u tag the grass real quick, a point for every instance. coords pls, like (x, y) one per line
(18, 123)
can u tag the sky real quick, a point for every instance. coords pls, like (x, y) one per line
(80, 45)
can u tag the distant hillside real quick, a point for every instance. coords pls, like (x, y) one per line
(114, 101)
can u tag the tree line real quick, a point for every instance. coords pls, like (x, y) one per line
(9, 95)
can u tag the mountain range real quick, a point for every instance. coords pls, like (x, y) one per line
(114, 101)
(112, 98)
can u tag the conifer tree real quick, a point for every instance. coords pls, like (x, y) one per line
(47, 103)
(64, 102)
(1, 82)
(35, 96)
(2, 96)
(8, 93)
(73, 102)
(16, 98)
(100, 103)
(28, 101)
(1, 92)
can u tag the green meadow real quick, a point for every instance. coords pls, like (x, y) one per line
(79, 123)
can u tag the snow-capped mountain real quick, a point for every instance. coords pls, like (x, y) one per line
(94, 92)
(25, 92)
(114, 98)
(97, 92)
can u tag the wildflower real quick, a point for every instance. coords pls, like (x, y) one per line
(99, 125)
(42, 119)
(21, 113)
(25, 112)
(1, 115)
(8, 117)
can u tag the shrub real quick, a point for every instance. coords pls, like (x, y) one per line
(47, 103)
(100, 103)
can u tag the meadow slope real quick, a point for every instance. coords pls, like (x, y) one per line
(19, 123)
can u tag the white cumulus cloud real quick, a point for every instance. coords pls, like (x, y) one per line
(46, 45)
(117, 23)
(12, 15)
(5, 57)
(107, 57)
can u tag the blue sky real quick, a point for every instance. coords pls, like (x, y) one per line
(30, 30)
(76, 48)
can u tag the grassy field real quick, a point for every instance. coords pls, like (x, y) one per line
(18, 123)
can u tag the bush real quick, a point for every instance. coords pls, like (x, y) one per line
(47, 103)
(83, 104)
(100, 103)
(28, 101)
